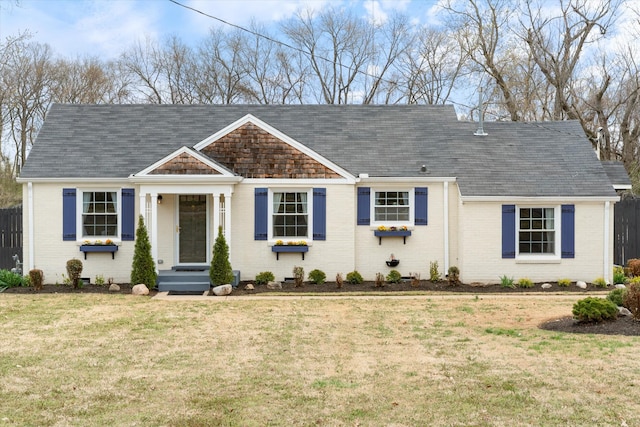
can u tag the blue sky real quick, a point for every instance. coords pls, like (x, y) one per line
(105, 28)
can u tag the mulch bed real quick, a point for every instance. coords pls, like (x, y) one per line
(621, 326)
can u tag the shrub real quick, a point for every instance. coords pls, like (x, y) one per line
(298, 276)
(506, 282)
(36, 278)
(616, 296)
(600, 282)
(618, 275)
(317, 276)
(415, 280)
(525, 283)
(354, 278)
(379, 280)
(593, 309)
(10, 279)
(339, 280)
(635, 279)
(74, 270)
(143, 269)
(264, 278)
(394, 276)
(564, 282)
(453, 275)
(100, 280)
(632, 300)
(220, 272)
(434, 274)
(633, 265)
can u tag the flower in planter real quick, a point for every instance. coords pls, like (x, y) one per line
(382, 228)
(279, 243)
(404, 228)
(296, 243)
(108, 242)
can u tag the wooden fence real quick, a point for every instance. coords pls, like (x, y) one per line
(626, 231)
(10, 236)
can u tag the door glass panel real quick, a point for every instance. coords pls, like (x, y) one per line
(193, 228)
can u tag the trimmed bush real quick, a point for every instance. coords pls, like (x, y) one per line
(298, 276)
(317, 276)
(36, 278)
(453, 275)
(616, 296)
(394, 276)
(633, 265)
(354, 278)
(632, 300)
(600, 282)
(143, 268)
(264, 278)
(74, 270)
(220, 272)
(564, 282)
(593, 309)
(525, 283)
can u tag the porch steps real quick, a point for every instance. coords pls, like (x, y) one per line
(188, 278)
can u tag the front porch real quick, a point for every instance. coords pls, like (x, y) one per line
(189, 278)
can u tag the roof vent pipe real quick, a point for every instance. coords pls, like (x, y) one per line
(480, 131)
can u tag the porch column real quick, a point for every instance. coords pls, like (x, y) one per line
(153, 228)
(227, 219)
(143, 208)
(216, 215)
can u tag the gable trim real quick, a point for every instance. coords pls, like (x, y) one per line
(224, 172)
(249, 118)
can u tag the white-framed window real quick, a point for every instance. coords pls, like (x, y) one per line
(290, 214)
(391, 207)
(537, 230)
(99, 213)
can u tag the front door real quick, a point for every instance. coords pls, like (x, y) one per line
(192, 214)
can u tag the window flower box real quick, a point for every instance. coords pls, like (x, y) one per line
(302, 249)
(99, 248)
(392, 233)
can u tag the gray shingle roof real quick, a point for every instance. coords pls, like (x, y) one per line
(514, 159)
(617, 173)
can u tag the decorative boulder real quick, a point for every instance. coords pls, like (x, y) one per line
(581, 284)
(114, 288)
(140, 289)
(274, 285)
(222, 290)
(620, 286)
(546, 285)
(249, 287)
(623, 311)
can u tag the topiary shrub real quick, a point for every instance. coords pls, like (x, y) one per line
(143, 268)
(264, 278)
(633, 266)
(298, 276)
(632, 300)
(74, 270)
(525, 283)
(220, 271)
(593, 309)
(616, 296)
(317, 276)
(394, 276)
(354, 278)
(36, 278)
(564, 282)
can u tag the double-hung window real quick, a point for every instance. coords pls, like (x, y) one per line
(99, 214)
(537, 231)
(290, 214)
(391, 207)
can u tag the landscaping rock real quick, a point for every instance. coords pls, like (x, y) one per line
(620, 286)
(623, 311)
(114, 288)
(222, 290)
(546, 285)
(274, 285)
(581, 284)
(140, 289)
(249, 287)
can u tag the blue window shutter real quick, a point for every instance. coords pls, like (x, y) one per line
(68, 214)
(421, 206)
(319, 214)
(364, 207)
(261, 214)
(508, 231)
(568, 225)
(128, 214)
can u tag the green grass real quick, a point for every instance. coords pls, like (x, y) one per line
(82, 360)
